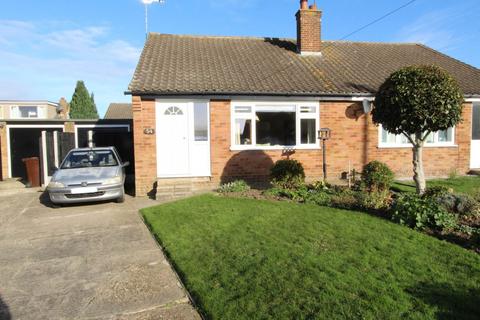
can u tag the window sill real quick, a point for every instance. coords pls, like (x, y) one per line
(409, 146)
(266, 148)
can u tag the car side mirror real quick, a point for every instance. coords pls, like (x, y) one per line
(126, 164)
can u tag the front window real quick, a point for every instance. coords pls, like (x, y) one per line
(89, 159)
(275, 126)
(439, 138)
(264, 126)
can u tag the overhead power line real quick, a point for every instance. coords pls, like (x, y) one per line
(378, 20)
(386, 15)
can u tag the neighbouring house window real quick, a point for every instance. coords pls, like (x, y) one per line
(262, 126)
(200, 121)
(445, 137)
(25, 112)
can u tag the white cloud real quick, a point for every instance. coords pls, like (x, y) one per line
(438, 29)
(47, 59)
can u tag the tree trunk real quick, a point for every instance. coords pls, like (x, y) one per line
(419, 175)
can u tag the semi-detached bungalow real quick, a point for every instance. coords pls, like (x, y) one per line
(210, 109)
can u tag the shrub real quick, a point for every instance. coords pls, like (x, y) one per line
(420, 213)
(436, 191)
(287, 174)
(235, 186)
(466, 205)
(463, 204)
(319, 198)
(377, 176)
(344, 199)
(448, 201)
(374, 200)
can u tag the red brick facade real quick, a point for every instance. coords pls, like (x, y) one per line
(145, 147)
(354, 142)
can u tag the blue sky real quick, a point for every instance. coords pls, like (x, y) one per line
(45, 46)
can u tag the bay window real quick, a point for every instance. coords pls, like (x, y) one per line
(274, 125)
(439, 138)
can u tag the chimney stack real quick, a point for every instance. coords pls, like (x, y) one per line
(309, 41)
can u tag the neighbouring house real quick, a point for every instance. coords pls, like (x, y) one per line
(33, 109)
(208, 109)
(22, 109)
(119, 111)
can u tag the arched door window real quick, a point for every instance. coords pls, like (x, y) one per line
(173, 111)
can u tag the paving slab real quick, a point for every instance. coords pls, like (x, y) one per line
(93, 261)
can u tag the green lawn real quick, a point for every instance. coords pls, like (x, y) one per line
(468, 185)
(251, 259)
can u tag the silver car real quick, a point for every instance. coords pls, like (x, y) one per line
(89, 174)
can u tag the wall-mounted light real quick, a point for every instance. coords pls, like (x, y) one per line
(367, 105)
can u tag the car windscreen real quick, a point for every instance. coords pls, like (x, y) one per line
(89, 158)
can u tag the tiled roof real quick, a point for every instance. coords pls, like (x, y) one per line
(119, 111)
(175, 64)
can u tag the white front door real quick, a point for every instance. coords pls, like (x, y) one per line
(172, 139)
(475, 146)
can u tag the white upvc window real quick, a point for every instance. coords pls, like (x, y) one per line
(275, 125)
(444, 138)
(23, 112)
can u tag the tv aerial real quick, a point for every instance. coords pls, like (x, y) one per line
(146, 3)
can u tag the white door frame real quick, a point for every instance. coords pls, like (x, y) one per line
(192, 144)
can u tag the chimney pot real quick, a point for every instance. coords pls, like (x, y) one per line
(303, 4)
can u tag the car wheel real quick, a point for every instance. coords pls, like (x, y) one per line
(121, 199)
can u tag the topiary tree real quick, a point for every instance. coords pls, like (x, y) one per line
(82, 105)
(416, 101)
(377, 176)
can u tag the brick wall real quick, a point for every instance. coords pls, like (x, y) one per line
(309, 30)
(439, 161)
(251, 165)
(354, 142)
(144, 146)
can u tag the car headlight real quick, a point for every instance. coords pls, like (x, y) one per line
(114, 180)
(55, 184)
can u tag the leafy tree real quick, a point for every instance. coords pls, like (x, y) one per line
(416, 101)
(82, 105)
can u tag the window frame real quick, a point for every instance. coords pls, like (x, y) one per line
(252, 116)
(435, 144)
(15, 112)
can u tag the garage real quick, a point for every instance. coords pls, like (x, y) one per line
(25, 143)
(49, 140)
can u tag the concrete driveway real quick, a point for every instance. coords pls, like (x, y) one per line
(83, 262)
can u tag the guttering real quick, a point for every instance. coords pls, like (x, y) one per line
(239, 96)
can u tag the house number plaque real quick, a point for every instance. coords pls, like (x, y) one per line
(148, 131)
